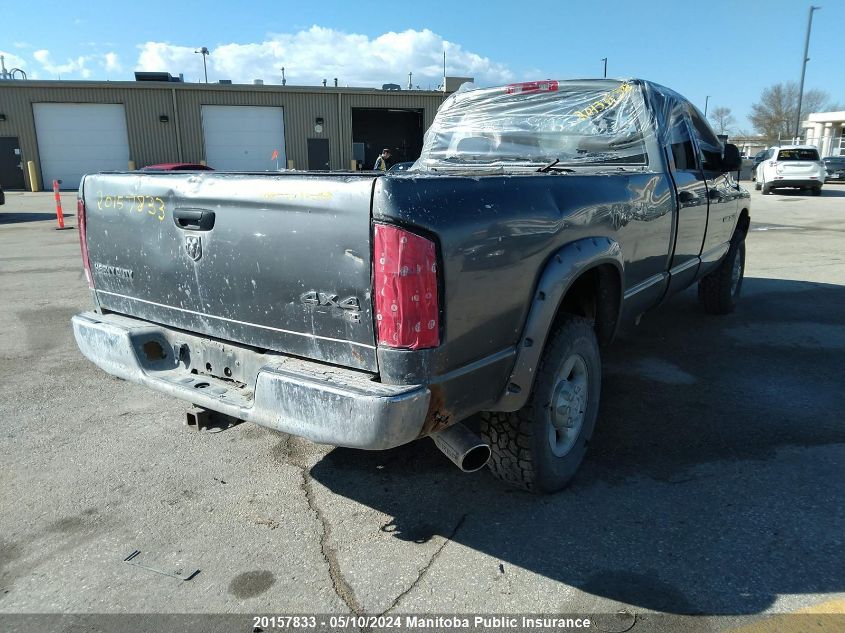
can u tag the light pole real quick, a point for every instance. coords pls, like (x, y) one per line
(284, 81)
(706, 101)
(204, 52)
(803, 69)
(604, 59)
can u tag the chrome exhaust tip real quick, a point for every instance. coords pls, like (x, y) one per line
(463, 447)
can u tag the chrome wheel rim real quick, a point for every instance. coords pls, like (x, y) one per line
(736, 272)
(568, 406)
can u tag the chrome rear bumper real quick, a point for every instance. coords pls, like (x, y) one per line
(317, 401)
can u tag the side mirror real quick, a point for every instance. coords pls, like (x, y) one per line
(730, 159)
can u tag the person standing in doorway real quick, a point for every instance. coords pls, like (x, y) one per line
(381, 161)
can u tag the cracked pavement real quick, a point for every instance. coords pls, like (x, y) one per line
(713, 483)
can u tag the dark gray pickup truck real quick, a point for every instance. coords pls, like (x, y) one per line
(368, 310)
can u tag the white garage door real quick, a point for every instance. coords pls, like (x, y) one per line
(80, 138)
(243, 138)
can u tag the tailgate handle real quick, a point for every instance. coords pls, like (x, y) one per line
(194, 219)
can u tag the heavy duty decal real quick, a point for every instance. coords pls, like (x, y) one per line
(114, 271)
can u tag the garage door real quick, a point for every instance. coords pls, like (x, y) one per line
(243, 138)
(80, 138)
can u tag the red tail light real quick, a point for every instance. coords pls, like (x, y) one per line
(549, 85)
(83, 240)
(405, 289)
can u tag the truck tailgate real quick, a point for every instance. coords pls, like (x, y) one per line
(274, 261)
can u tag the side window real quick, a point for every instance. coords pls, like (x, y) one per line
(680, 142)
(708, 144)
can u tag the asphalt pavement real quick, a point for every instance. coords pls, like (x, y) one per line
(713, 485)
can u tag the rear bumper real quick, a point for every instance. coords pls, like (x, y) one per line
(320, 402)
(795, 182)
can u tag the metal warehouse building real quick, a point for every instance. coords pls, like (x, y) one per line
(68, 128)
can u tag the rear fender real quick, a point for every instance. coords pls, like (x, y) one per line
(560, 272)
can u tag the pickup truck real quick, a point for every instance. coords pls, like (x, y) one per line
(369, 310)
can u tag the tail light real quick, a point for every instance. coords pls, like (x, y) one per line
(83, 240)
(405, 289)
(532, 86)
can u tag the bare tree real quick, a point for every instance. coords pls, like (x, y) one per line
(722, 119)
(774, 115)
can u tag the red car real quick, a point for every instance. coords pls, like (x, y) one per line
(177, 167)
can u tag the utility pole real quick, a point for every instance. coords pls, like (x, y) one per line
(204, 52)
(284, 81)
(803, 69)
(604, 59)
(706, 102)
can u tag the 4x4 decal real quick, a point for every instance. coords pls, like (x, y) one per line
(349, 308)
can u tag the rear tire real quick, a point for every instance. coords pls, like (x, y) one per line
(817, 191)
(540, 447)
(719, 291)
(757, 186)
(766, 188)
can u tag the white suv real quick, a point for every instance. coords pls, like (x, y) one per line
(793, 166)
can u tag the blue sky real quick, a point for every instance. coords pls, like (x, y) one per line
(728, 50)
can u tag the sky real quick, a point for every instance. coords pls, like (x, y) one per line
(727, 50)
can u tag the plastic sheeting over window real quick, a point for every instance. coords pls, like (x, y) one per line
(583, 122)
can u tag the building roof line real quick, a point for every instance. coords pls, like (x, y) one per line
(179, 85)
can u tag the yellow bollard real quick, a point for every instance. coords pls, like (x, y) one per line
(203, 163)
(290, 165)
(131, 165)
(33, 176)
(353, 165)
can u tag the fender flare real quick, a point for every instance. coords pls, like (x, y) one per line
(562, 269)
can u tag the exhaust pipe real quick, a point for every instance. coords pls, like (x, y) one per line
(466, 450)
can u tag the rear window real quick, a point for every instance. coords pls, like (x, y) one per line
(798, 154)
(574, 123)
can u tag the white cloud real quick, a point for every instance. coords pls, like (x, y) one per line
(318, 53)
(12, 61)
(75, 66)
(158, 56)
(111, 62)
(15, 61)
